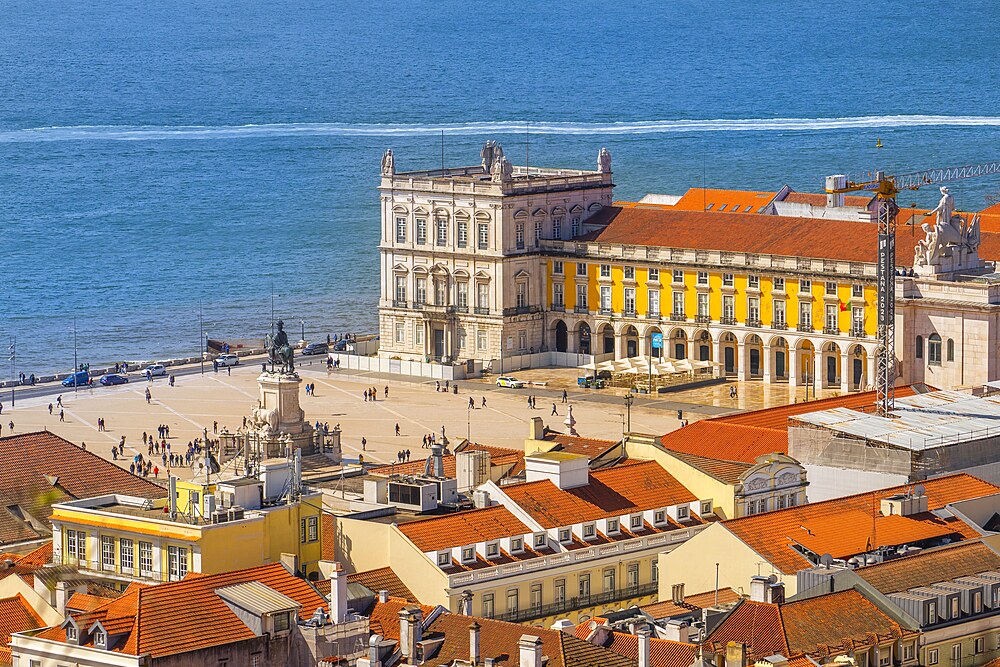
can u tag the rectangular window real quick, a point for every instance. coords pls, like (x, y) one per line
(421, 231)
(538, 231)
(728, 279)
(575, 224)
(605, 270)
(858, 291)
(536, 596)
(516, 545)
(313, 528)
(463, 235)
(805, 315)
(177, 562)
(421, 296)
(609, 580)
(584, 588)
(281, 621)
(108, 552)
(703, 311)
(678, 276)
(632, 575)
(831, 289)
(654, 275)
(557, 294)
(71, 544)
(779, 284)
(581, 296)
(483, 295)
(492, 550)
(581, 269)
(519, 235)
(145, 559)
(956, 654)
(463, 339)
(488, 610)
(858, 320)
(629, 272)
(753, 310)
(908, 651)
(444, 558)
(932, 656)
(484, 236)
(729, 307)
(418, 333)
(654, 571)
(753, 282)
(401, 289)
(557, 267)
(512, 601)
(703, 277)
(635, 521)
(126, 549)
(630, 301)
(805, 286)
(678, 309)
(400, 230)
(565, 535)
(557, 228)
(654, 303)
(605, 299)
(559, 589)
(779, 312)
(522, 295)
(463, 295)
(468, 554)
(540, 540)
(522, 340)
(612, 526)
(659, 516)
(831, 317)
(980, 645)
(481, 340)
(400, 331)
(440, 292)
(589, 531)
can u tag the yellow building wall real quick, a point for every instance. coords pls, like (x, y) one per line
(693, 564)
(701, 485)
(361, 545)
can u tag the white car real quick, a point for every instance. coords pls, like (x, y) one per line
(227, 360)
(508, 381)
(156, 370)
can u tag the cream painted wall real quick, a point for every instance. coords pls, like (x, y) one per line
(13, 585)
(362, 545)
(701, 485)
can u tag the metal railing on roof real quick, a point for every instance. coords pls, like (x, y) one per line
(579, 602)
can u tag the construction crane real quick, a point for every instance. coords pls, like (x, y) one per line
(886, 188)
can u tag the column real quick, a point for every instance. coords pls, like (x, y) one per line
(818, 370)
(720, 369)
(766, 364)
(644, 346)
(845, 372)
(872, 366)
(793, 367)
(743, 368)
(692, 349)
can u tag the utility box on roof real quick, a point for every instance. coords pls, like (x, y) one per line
(565, 470)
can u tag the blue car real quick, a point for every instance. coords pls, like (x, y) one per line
(111, 379)
(77, 379)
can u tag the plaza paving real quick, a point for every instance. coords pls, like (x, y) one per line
(197, 401)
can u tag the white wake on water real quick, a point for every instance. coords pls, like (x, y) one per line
(189, 132)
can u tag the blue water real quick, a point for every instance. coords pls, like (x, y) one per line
(158, 158)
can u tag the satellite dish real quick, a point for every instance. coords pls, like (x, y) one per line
(772, 578)
(918, 490)
(826, 560)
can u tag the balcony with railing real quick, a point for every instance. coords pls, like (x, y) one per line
(481, 310)
(858, 331)
(605, 311)
(579, 602)
(831, 330)
(581, 309)
(703, 319)
(805, 327)
(629, 312)
(780, 325)
(521, 310)
(727, 319)
(397, 303)
(753, 322)
(558, 308)
(653, 315)
(678, 317)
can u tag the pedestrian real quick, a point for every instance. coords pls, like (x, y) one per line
(215, 427)
(59, 400)
(364, 444)
(374, 394)
(244, 421)
(565, 397)
(423, 444)
(484, 402)
(554, 410)
(131, 468)
(1, 408)
(156, 471)
(397, 429)
(472, 404)
(215, 365)
(62, 416)
(437, 386)
(529, 402)
(366, 395)
(50, 408)
(386, 393)
(114, 453)
(229, 371)
(407, 454)
(148, 396)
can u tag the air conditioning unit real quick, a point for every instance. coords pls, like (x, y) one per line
(220, 516)
(236, 513)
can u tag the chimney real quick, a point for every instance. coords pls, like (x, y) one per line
(676, 630)
(736, 654)
(338, 593)
(373, 651)
(410, 632)
(465, 605)
(536, 429)
(563, 625)
(63, 593)
(172, 496)
(776, 592)
(758, 588)
(834, 183)
(383, 596)
(643, 636)
(474, 653)
(677, 593)
(530, 648)
(437, 460)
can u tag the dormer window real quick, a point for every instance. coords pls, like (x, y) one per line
(706, 507)
(281, 622)
(612, 526)
(564, 535)
(444, 558)
(468, 554)
(683, 512)
(492, 550)
(517, 545)
(100, 638)
(588, 531)
(659, 516)
(540, 541)
(71, 633)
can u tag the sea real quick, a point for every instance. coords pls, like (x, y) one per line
(171, 169)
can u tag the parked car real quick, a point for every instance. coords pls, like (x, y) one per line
(111, 379)
(340, 346)
(509, 382)
(156, 370)
(77, 379)
(316, 348)
(227, 360)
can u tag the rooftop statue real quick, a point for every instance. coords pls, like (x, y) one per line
(491, 152)
(279, 352)
(388, 163)
(502, 170)
(950, 234)
(604, 161)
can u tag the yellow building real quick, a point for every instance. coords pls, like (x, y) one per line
(764, 297)
(225, 525)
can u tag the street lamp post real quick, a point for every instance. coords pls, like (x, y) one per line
(303, 323)
(201, 338)
(13, 368)
(628, 411)
(468, 423)
(75, 361)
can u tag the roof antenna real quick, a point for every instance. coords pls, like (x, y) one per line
(527, 164)
(442, 152)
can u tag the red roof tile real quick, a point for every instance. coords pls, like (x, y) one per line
(16, 615)
(691, 603)
(623, 489)
(842, 524)
(929, 567)
(700, 199)
(729, 442)
(462, 528)
(383, 579)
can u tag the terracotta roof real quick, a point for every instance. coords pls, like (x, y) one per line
(691, 603)
(698, 199)
(40, 469)
(712, 438)
(80, 602)
(820, 626)
(188, 615)
(630, 487)
(497, 639)
(16, 615)
(461, 528)
(592, 448)
(383, 579)
(499, 456)
(662, 652)
(819, 199)
(929, 567)
(842, 524)
(727, 472)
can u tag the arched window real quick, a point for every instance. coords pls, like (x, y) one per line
(934, 350)
(920, 347)
(951, 349)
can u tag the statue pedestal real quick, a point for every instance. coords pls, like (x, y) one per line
(279, 418)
